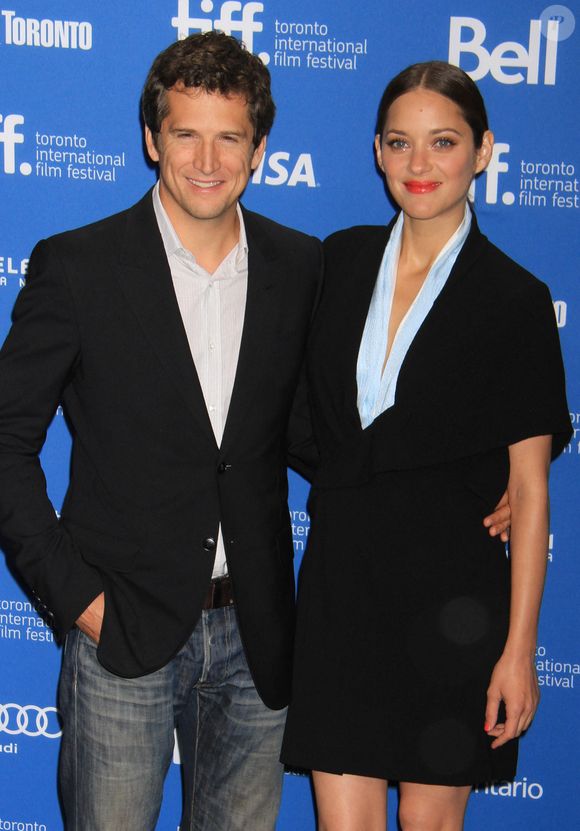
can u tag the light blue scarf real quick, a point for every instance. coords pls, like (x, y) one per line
(376, 391)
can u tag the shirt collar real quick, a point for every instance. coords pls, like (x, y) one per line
(172, 243)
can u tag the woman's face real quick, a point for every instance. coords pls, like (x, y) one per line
(428, 155)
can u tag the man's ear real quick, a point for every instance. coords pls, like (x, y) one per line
(151, 145)
(258, 153)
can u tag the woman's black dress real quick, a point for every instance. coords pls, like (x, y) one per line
(404, 598)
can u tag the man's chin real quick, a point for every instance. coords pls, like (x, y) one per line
(210, 212)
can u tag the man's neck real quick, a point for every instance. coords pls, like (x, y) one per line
(210, 246)
(209, 240)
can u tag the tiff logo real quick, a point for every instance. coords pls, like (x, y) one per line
(9, 138)
(234, 18)
(496, 166)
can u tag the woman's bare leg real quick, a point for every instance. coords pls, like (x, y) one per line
(432, 807)
(350, 803)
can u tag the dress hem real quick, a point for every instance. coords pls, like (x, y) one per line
(390, 776)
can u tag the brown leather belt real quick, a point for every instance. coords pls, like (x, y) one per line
(219, 594)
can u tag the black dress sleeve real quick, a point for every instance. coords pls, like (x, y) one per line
(534, 401)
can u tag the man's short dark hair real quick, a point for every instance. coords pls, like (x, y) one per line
(215, 63)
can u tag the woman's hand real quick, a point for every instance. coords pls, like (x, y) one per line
(514, 682)
(499, 522)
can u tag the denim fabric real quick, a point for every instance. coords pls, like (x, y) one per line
(118, 737)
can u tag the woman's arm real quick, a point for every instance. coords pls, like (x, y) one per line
(513, 680)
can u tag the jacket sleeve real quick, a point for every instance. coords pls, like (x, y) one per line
(303, 455)
(39, 358)
(302, 450)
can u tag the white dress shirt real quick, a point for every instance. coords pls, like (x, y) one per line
(212, 308)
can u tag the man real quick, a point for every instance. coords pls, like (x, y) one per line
(173, 333)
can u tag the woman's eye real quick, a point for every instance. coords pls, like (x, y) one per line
(444, 142)
(397, 144)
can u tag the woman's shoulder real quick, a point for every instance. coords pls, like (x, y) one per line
(506, 277)
(354, 252)
(356, 237)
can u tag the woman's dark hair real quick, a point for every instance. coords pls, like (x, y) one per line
(215, 63)
(447, 80)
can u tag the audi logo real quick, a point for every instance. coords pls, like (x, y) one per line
(29, 720)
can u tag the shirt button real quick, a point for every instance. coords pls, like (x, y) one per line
(212, 346)
(211, 408)
(208, 544)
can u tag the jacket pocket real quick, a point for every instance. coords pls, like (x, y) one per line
(102, 550)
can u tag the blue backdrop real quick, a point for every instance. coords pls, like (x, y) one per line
(71, 152)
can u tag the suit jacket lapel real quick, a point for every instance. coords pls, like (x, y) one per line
(436, 320)
(146, 281)
(357, 305)
(260, 321)
(438, 332)
(442, 316)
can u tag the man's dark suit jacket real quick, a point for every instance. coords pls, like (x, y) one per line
(98, 327)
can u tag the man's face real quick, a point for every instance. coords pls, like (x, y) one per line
(206, 155)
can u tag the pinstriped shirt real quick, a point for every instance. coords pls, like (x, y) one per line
(212, 308)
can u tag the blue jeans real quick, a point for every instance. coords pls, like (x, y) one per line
(117, 739)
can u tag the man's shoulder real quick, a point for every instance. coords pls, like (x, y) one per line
(264, 229)
(106, 231)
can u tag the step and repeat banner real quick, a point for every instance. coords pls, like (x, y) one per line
(71, 151)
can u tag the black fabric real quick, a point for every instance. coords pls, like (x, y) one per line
(483, 371)
(404, 597)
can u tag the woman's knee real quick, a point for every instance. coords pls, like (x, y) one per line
(350, 803)
(432, 808)
(416, 817)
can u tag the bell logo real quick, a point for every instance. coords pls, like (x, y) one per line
(245, 25)
(283, 172)
(467, 36)
(9, 138)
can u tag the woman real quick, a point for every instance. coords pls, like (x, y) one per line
(436, 380)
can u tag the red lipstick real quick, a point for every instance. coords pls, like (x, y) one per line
(421, 187)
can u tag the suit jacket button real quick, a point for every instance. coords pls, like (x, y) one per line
(208, 544)
(223, 467)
